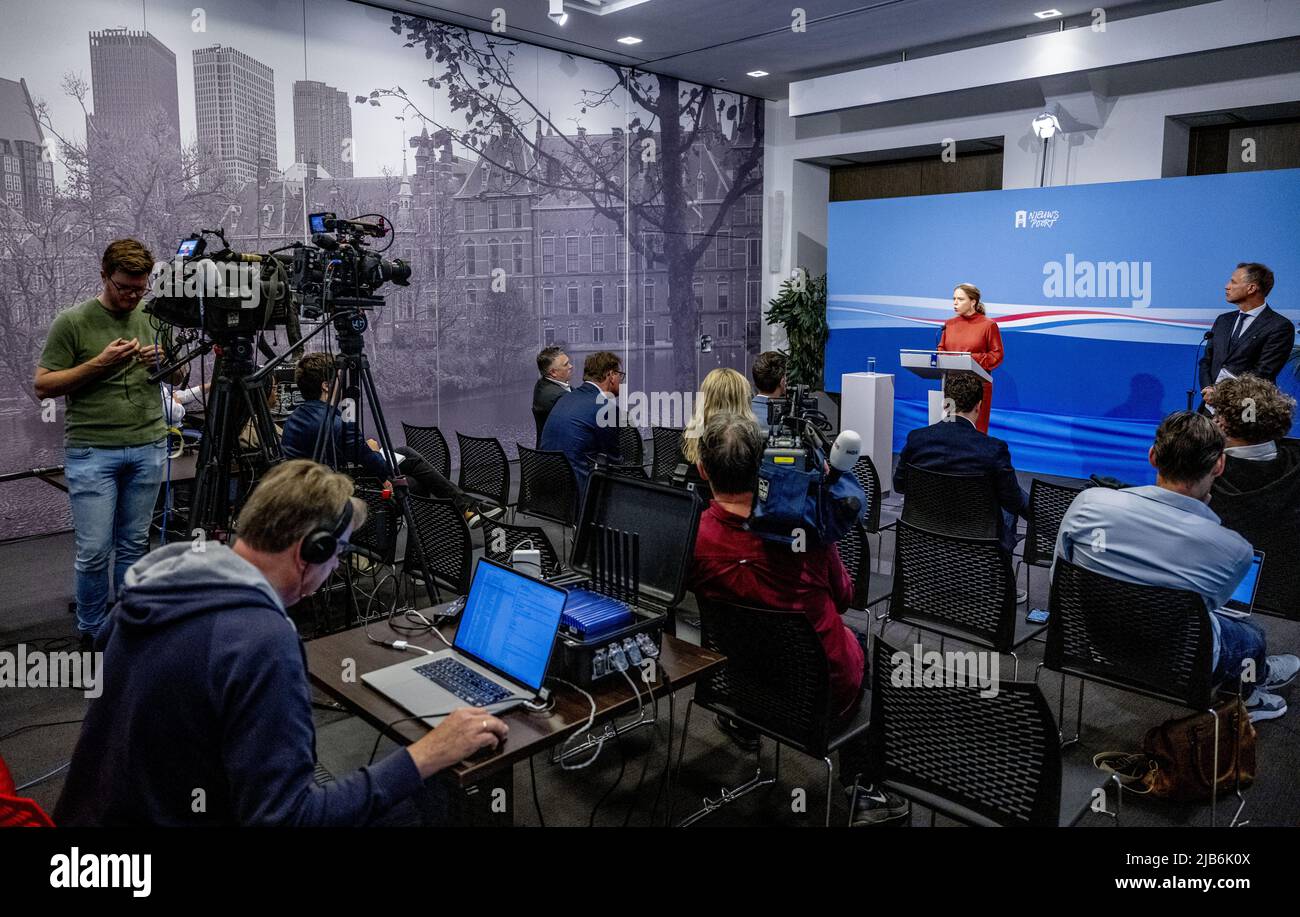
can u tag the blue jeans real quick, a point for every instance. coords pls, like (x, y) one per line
(113, 491)
(1240, 640)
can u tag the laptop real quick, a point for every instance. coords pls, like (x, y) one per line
(499, 658)
(1242, 601)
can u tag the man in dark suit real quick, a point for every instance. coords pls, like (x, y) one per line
(555, 369)
(1252, 338)
(955, 446)
(584, 423)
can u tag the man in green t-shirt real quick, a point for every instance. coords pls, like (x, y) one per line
(98, 357)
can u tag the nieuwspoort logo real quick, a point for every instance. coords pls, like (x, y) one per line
(1036, 219)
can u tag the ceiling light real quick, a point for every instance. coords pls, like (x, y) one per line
(1047, 14)
(756, 73)
(557, 13)
(629, 40)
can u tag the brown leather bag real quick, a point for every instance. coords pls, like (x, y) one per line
(1180, 754)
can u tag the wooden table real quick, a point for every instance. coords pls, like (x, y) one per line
(683, 663)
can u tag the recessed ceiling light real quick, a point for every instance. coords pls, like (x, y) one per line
(1048, 14)
(756, 73)
(629, 40)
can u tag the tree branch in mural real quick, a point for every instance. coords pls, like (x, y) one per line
(502, 120)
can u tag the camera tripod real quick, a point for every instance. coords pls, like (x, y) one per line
(355, 383)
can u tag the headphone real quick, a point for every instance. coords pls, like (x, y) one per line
(320, 543)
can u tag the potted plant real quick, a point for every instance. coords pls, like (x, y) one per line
(800, 308)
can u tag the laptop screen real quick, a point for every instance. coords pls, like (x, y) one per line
(1243, 597)
(510, 622)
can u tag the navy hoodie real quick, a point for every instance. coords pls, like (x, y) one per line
(205, 689)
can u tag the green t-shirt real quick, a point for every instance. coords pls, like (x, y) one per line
(120, 408)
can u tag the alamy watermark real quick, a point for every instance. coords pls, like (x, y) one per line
(24, 668)
(647, 409)
(931, 669)
(181, 278)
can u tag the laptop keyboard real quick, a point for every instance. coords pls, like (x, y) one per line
(463, 681)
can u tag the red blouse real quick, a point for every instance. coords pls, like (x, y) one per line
(975, 333)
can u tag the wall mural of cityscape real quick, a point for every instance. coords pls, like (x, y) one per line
(540, 197)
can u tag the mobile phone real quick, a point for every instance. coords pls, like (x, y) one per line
(1037, 616)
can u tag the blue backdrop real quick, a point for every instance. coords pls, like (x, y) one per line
(1102, 294)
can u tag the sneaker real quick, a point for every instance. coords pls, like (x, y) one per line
(743, 736)
(877, 809)
(1265, 706)
(1281, 671)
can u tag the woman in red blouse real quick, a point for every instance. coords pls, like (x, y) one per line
(971, 330)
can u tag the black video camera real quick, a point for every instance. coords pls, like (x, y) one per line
(337, 271)
(795, 429)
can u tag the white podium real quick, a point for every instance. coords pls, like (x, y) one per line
(932, 364)
(867, 407)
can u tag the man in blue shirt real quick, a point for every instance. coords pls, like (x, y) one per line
(345, 447)
(584, 423)
(1166, 535)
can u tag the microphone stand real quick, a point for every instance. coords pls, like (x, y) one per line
(1196, 368)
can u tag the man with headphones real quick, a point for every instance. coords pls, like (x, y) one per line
(207, 668)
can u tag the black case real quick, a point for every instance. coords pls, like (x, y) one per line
(666, 519)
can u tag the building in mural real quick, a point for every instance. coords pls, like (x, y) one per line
(322, 127)
(24, 160)
(234, 110)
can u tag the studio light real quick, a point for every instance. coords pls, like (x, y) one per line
(1047, 14)
(757, 73)
(557, 13)
(629, 40)
(1045, 126)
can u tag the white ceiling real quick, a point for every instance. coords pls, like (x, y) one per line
(716, 42)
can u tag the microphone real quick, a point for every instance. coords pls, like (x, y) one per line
(844, 454)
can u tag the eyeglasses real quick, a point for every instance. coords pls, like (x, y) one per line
(127, 290)
(621, 375)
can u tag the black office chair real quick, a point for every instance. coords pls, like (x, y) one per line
(373, 547)
(547, 487)
(984, 758)
(440, 548)
(1146, 640)
(776, 682)
(667, 444)
(631, 445)
(432, 445)
(864, 469)
(1277, 534)
(484, 469)
(501, 538)
(855, 552)
(1048, 504)
(961, 505)
(963, 588)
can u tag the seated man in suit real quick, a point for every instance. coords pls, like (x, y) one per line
(1164, 534)
(955, 446)
(555, 369)
(584, 423)
(1258, 494)
(733, 564)
(314, 376)
(769, 382)
(1252, 338)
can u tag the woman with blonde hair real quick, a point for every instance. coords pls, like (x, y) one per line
(972, 331)
(722, 391)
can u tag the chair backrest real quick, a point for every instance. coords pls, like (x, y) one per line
(441, 546)
(484, 468)
(985, 760)
(1147, 639)
(962, 584)
(501, 538)
(432, 445)
(667, 443)
(18, 811)
(864, 469)
(1276, 533)
(547, 487)
(377, 539)
(962, 505)
(776, 678)
(631, 445)
(1047, 506)
(855, 552)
